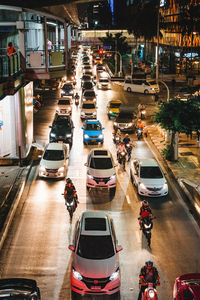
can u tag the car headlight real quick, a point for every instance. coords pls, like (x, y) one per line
(84, 99)
(130, 124)
(109, 86)
(113, 177)
(110, 112)
(142, 186)
(61, 169)
(68, 135)
(69, 108)
(114, 275)
(115, 123)
(86, 136)
(151, 294)
(90, 176)
(42, 168)
(76, 274)
(165, 186)
(94, 113)
(152, 89)
(82, 113)
(52, 134)
(100, 136)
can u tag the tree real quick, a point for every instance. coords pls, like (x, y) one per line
(178, 117)
(117, 42)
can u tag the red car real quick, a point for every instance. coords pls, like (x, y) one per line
(187, 287)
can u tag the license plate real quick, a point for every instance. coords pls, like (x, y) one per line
(94, 140)
(96, 287)
(101, 183)
(60, 142)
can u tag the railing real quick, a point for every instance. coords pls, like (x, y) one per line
(9, 64)
(36, 59)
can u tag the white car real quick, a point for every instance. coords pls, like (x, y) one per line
(101, 170)
(95, 261)
(89, 95)
(88, 110)
(148, 177)
(54, 161)
(64, 106)
(103, 83)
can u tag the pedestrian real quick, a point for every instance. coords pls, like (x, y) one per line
(10, 49)
(49, 45)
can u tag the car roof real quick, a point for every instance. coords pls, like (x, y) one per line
(54, 146)
(95, 223)
(100, 152)
(148, 162)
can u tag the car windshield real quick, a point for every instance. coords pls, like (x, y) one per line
(86, 77)
(67, 87)
(64, 102)
(53, 155)
(150, 172)
(95, 247)
(89, 94)
(88, 85)
(93, 126)
(152, 82)
(104, 80)
(101, 163)
(88, 106)
(115, 105)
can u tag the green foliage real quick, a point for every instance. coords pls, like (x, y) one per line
(168, 152)
(179, 116)
(117, 42)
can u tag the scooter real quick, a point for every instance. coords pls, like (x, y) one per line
(139, 133)
(129, 148)
(122, 159)
(150, 292)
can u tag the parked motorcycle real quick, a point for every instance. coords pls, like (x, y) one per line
(129, 148)
(139, 133)
(150, 292)
(122, 159)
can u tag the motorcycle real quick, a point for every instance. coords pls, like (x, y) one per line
(129, 148)
(150, 292)
(142, 113)
(116, 138)
(139, 133)
(122, 159)
(70, 202)
(147, 225)
(77, 99)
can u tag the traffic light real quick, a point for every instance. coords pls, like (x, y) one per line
(100, 51)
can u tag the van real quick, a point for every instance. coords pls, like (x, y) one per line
(141, 86)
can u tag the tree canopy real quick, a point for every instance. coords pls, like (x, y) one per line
(117, 42)
(179, 116)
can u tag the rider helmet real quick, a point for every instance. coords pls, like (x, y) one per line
(145, 203)
(149, 264)
(139, 120)
(68, 180)
(126, 135)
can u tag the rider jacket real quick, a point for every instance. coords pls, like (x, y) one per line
(121, 148)
(69, 190)
(140, 125)
(126, 141)
(145, 209)
(149, 275)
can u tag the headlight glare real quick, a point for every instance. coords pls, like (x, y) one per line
(86, 136)
(142, 186)
(77, 275)
(114, 275)
(61, 169)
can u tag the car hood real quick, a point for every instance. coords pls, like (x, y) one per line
(62, 131)
(93, 132)
(124, 120)
(95, 268)
(63, 107)
(88, 110)
(49, 164)
(101, 173)
(153, 182)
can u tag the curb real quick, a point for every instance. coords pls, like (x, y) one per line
(13, 208)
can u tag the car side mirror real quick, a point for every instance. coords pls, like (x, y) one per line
(119, 248)
(86, 164)
(50, 126)
(71, 247)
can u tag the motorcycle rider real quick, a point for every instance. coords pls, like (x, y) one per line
(148, 273)
(70, 191)
(77, 96)
(140, 124)
(121, 148)
(126, 139)
(116, 133)
(145, 211)
(141, 107)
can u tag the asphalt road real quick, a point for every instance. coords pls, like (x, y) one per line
(37, 244)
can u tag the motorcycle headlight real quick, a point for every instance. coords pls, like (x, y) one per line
(90, 176)
(77, 275)
(114, 275)
(100, 136)
(113, 177)
(52, 134)
(151, 294)
(42, 168)
(86, 136)
(61, 169)
(142, 186)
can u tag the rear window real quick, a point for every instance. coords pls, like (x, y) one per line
(88, 106)
(150, 172)
(86, 77)
(96, 224)
(89, 94)
(53, 155)
(93, 126)
(115, 105)
(67, 87)
(101, 163)
(104, 80)
(100, 152)
(64, 102)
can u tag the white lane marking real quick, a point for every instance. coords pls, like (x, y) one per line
(128, 199)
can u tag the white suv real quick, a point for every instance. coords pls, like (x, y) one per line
(148, 177)
(88, 110)
(95, 262)
(54, 161)
(101, 169)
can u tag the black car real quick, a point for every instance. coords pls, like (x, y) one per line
(62, 130)
(67, 89)
(126, 122)
(19, 288)
(87, 85)
(85, 78)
